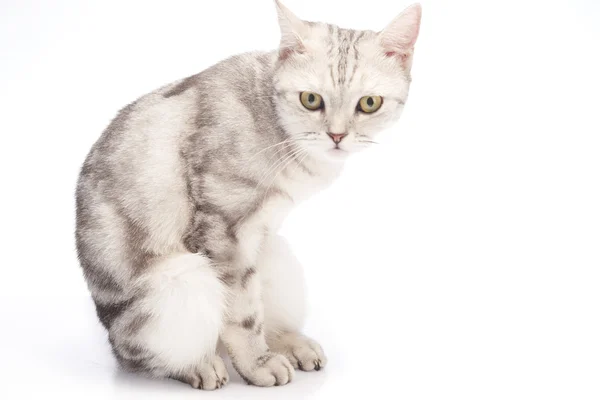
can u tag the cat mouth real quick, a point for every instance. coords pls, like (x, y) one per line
(337, 153)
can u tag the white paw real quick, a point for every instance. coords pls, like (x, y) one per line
(270, 369)
(304, 353)
(209, 375)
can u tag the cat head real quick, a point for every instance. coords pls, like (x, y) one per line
(337, 88)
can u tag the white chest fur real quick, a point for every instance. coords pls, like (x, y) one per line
(295, 187)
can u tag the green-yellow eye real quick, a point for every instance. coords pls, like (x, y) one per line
(311, 100)
(370, 104)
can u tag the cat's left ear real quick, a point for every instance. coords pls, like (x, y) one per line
(293, 29)
(399, 37)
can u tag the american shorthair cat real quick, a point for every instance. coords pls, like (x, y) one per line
(180, 200)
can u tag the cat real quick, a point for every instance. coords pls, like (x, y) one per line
(180, 199)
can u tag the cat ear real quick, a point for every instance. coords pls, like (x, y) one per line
(292, 30)
(399, 37)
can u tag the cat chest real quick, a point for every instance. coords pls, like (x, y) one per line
(265, 220)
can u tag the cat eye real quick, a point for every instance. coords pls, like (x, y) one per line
(311, 101)
(370, 104)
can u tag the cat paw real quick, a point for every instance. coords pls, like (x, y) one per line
(304, 353)
(270, 369)
(209, 375)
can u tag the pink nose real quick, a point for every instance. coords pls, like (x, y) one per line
(337, 137)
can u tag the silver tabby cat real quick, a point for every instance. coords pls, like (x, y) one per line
(180, 200)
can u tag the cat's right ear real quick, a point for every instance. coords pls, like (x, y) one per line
(292, 31)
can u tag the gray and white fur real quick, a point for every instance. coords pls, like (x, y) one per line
(180, 200)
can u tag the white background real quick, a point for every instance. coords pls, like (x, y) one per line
(459, 259)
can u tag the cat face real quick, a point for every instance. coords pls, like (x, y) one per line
(337, 88)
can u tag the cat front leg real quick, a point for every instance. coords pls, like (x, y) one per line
(284, 298)
(244, 332)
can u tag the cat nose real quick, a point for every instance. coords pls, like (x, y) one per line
(337, 137)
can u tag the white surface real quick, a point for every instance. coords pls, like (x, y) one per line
(460, 259)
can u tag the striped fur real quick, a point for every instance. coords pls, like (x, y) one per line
(179, 200)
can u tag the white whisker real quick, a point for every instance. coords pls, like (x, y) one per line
(287, 163)
(286, 141)
(273, 167)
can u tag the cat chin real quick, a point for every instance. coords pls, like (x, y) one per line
(336, 155)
